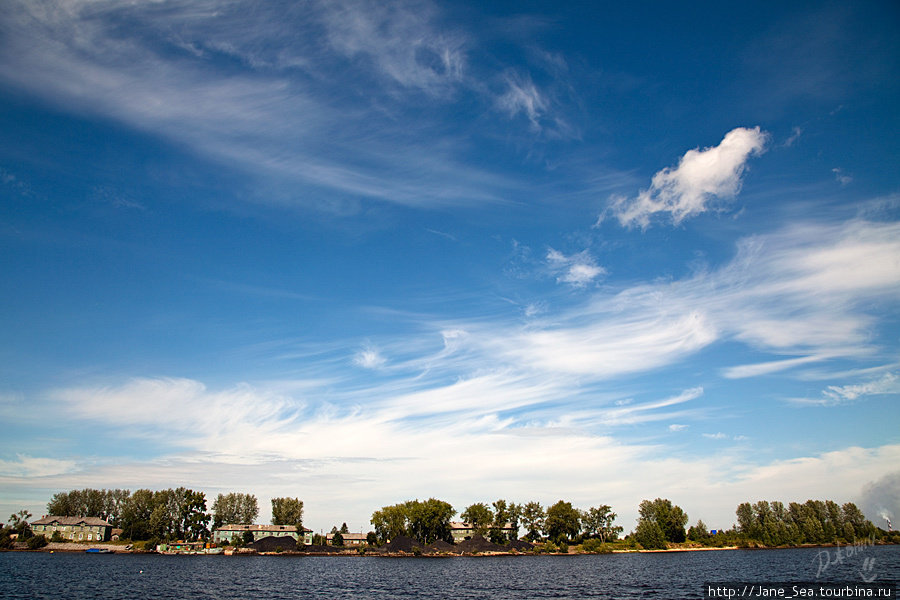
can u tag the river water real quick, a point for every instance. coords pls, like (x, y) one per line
(673, 575)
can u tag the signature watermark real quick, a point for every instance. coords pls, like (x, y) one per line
(838, 555)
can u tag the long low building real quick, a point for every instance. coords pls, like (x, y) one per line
(78, 529)
(226, 533)
(350, 539)
(464, 531)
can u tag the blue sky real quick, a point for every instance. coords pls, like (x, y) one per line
(364, 252)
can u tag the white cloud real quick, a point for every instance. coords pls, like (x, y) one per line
(369, 358)
(522, 96)
(796, 132)
(30, 466)
(578, 270)
(841, 177)
(677, 427)
(401, 39)
(715, 436)
(353, 460)
(701, 177)
(833, 395)
(766, 368)
(276, 107)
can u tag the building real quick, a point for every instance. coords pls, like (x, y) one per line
(464, 531)
(226, 533)
(76, 529)
(350, 539)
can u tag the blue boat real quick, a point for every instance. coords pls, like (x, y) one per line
(98, 551)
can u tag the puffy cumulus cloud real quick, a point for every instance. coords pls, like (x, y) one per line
(577, 270)
(689, 189)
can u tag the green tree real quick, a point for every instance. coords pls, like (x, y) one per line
(136, 513)
(533, 520)
(191, 517)
(234, 509)
(515, 517)
(287, 511)
(698, 532)
(18, 523)
(670, 518)
(429, 521)
(337, 539)
(390, 522)
(855, 523)
(563, 522)
(479, 516)
(650, 535)
(598, 522)
(745, 518)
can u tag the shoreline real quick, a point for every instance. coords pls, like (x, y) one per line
(69, 547)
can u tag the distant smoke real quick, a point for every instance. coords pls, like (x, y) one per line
(880, 500)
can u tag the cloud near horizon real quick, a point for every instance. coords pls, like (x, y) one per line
(495, 402)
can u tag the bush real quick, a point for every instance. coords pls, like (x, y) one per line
(595, 546)
(36, 541)
(57, 537)
(547, 547)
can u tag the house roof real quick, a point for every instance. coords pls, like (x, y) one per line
(235, 527)
(349, 536)
(93, 521)
(461, 525)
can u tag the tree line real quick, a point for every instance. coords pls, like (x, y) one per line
(813, 522)
(181, 513)
(762, 523)
(429, 521)
(170, 514)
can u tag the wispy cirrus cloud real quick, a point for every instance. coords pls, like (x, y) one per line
(833, 395)
(269, 99)
(701, 178)
(361, 458)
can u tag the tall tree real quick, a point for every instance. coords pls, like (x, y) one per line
(287, 511)
(479, 516)
(429, 521)
(390, 522)
(500, 521)
(670, 518)
(598, 522)
(136, 513)
(533, 520)
(234, 509)
(650, 535)
(563, 521)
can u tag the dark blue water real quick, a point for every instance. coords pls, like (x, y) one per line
(664, 575)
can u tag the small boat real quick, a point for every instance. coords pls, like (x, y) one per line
(98, 551)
